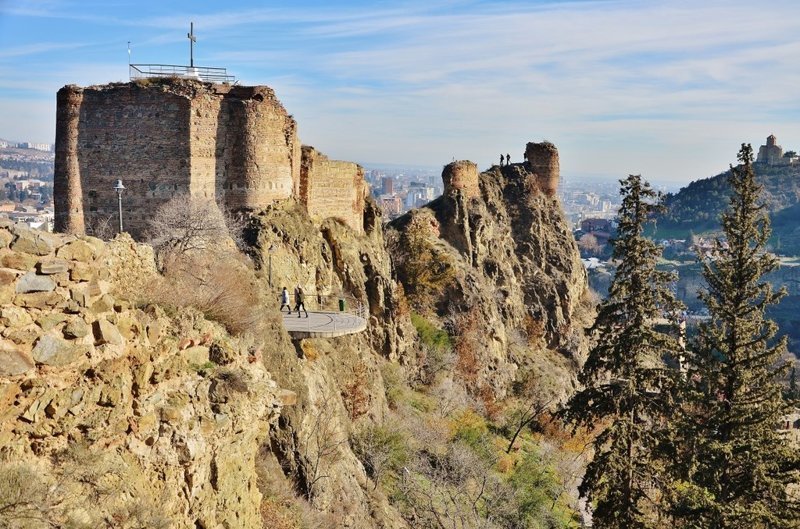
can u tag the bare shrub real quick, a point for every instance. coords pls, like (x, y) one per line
(223, 288)
(187, 224)
(355, 396)
(103, 227)
(320, 443)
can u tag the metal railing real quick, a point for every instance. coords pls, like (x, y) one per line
(200, 73)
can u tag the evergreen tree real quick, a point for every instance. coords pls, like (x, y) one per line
(737, 466)
(628, 385)
(793, 391)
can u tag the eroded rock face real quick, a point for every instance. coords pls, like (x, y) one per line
(518, 282)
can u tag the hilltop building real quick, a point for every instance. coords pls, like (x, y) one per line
(772, 153)
(165, 137)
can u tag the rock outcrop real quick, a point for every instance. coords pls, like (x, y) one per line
(157, 418)
(511, 273)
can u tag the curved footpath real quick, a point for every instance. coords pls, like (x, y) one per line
(323, 324)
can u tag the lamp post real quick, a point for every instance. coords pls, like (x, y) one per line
(270, 250)
(119, 188)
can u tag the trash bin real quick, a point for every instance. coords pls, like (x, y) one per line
(341, 304)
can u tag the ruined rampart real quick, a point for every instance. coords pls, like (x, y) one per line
(163, 138)
(461, 176)
(542, 159)
(332, 188)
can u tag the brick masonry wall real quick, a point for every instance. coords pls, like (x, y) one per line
(164, 138)
(331, 188)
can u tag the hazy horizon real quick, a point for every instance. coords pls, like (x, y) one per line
(669, 89)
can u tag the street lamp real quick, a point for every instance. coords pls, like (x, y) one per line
(270, 250)
(119, 188)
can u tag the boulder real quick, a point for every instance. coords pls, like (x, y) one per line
(31, 242)
(14, 360)
(106, 332)
(76, 251)
(54, 351)
(197, 355)
(53, 266)
(31, 282)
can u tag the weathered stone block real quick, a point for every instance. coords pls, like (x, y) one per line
(106, 333)
(54, 351)
(104, 304)
(38, 300)
(76, 251)
(14, 360)
(50, 320)
(11, 316)
(7, 276)
(81, 272)
(53, 266)
(17, 261)
(23, 335)
(5, 238)
(31, 242)
(31, 282)
(76, 328)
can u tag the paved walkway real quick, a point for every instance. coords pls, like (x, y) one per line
(323, 324)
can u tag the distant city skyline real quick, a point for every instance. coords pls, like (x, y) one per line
(666, 89)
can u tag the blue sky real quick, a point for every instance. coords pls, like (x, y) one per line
(668, 89)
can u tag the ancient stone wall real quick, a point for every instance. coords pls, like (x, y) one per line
(332, 189)
(542, 159)
(461, 175)
(235, 144)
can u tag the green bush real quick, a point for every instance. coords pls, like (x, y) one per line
(380, 449)
(435, 338)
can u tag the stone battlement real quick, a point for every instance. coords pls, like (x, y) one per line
(167, 137)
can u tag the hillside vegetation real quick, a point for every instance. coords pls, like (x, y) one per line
(697, 207)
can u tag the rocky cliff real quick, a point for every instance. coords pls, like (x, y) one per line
(503, 270)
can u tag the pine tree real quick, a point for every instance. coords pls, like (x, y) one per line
(736, 467)
(628, 385)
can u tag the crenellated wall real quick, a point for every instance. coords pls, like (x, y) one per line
(332, 189)
(164, 138)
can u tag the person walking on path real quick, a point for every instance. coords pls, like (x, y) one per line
(300, 301)
(285, 300)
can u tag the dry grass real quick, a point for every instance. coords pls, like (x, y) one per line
(223, 288)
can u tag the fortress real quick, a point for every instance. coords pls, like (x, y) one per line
(166, 137)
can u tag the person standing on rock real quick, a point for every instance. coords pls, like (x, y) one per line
(508, 159)
(501, 160)
(299, 301)
(285, 300)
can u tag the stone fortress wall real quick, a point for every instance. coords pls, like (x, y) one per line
(162, 138)
(332, 188)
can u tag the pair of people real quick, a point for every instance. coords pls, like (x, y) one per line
(508, 160)
(299, 301)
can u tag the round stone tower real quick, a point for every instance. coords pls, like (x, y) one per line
(463, 176)
(67, 191)
(542, 160)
